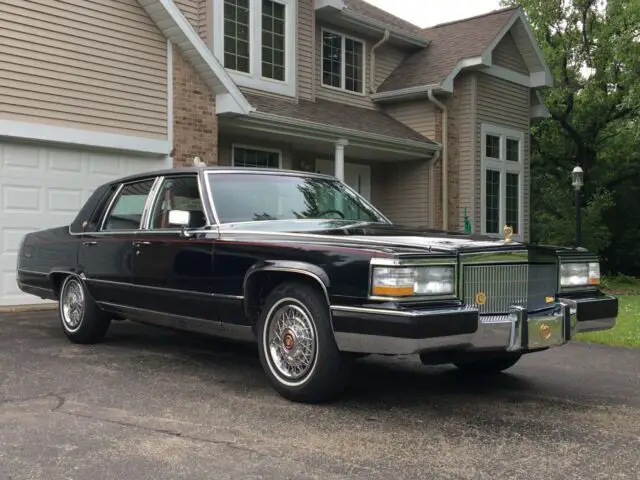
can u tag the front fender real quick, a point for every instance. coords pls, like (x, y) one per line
(300, 268)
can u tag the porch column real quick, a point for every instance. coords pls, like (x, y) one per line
(339, 159)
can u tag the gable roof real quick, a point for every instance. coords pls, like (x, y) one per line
(356, 120)
(450, 44)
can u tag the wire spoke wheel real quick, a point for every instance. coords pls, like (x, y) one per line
(72, 305)
(291, 342)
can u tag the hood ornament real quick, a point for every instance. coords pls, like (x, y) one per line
(508, 233)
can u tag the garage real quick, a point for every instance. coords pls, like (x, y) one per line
(42, 187)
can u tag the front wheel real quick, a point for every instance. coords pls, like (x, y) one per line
(82, 320)
(488, 366)
(296, 345)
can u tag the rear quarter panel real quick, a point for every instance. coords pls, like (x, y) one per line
(44, 252)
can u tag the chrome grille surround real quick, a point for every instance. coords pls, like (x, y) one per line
(504, 285)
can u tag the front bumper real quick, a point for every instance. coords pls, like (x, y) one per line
(380, 330)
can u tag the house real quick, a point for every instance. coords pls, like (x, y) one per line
(431, 124)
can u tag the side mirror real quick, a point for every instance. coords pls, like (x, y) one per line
(179, 218)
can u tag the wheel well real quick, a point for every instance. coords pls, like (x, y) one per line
(57, 278)
(261, 284)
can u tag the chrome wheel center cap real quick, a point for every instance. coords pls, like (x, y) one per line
(289, 340)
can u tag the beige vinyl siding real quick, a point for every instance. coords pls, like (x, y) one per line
(335, 94)
(83, 64)
(205, 20)
(461, 165)
(507, 55)
(505, 104)
(388, 57)
(420, 115)
(191, 10)
(306, 49)
(400, 190)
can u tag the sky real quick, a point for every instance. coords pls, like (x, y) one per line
(425, 13)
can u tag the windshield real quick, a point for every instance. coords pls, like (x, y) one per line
(246, 197)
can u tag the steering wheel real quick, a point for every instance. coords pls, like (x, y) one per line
(331, 211)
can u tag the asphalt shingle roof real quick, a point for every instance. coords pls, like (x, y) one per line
(375, 13)
(450, 43)
(324, 112)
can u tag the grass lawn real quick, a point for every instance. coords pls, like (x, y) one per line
(626, 333)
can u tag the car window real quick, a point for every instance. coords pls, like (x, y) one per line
(127, 210)
(178, 193)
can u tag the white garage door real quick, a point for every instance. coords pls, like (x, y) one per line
(44, 187)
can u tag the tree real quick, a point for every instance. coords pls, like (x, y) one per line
(593, 50)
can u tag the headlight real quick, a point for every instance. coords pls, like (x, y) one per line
(409, 281)
(579, 274)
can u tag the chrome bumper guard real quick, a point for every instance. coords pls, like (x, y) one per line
(519, 331)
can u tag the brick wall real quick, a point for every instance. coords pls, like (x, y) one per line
(195, 125)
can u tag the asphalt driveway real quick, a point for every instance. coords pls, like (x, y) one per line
(153, 404)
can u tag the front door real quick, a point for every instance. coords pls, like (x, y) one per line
(106, 254)
(173, 274)
(356, 175)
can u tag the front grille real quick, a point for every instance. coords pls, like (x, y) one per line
(523, 285)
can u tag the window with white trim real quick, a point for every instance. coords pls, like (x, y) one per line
(343, 64)
(244, 156)
(502, 193)
(255, 41)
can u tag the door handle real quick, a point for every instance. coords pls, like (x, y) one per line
(140, 243)
(90, 243)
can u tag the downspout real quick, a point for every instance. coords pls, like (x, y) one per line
(445, 158)
(372, 66)
(432, 188)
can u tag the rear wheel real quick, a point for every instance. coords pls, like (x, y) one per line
(82, 320)
(488, 366)
(296, 345)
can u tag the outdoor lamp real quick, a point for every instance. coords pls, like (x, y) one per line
(577, 180)
(577, 177)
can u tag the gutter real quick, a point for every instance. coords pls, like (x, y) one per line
(445, 158)
(372, 69)
(432, 189)
(403, 35)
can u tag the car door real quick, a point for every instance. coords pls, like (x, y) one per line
(106, 249)
(173, 273)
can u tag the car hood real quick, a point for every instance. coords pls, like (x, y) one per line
(366, 234)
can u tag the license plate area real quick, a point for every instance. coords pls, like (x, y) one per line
(545, 331)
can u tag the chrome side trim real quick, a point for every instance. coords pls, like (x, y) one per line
(400, 313)
(163, 289)
(180, 322)
(290, 270)
(107, 211)
(150, 203)
(413, 262)
(207, 182)
(33, 272)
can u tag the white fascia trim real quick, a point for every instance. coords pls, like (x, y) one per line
(404, 93)
(357, 18)
(535, 80)
(544, 78)
(254, 78)
(483, 60)
(84, 138)
(337, 4)
(332, 133)
(179, 22)
(380, 27)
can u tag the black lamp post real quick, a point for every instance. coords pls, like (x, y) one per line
(577, 180)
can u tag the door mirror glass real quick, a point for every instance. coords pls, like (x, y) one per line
(179, 217)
